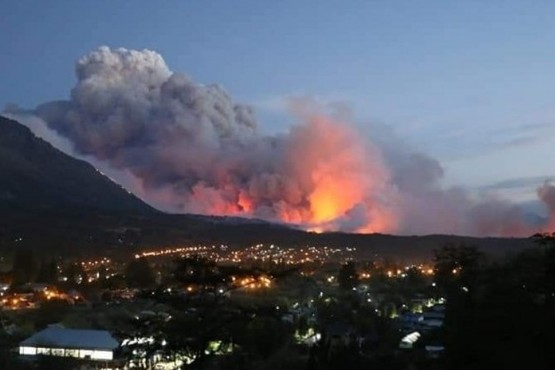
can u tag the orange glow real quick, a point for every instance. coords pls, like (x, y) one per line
(330, 178)
(344, 176)
(332, 198)
(317, 230)
(245, 203)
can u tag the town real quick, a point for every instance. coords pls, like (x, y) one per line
(216, 307)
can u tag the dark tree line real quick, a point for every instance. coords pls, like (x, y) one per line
(500, 315)
(28, 268)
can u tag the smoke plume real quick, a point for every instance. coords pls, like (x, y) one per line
(547, 195)
(187, 147)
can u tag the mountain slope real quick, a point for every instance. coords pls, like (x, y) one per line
(33, 174)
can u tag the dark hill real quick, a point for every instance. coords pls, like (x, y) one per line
(33, 174)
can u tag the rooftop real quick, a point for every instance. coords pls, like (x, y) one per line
(72, 338)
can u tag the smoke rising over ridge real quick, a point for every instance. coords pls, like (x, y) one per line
(187, 147)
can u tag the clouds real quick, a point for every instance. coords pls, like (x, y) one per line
(520, 182)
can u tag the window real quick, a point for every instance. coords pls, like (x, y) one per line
(27, 351)
(102, 355)
(57, 351)
(43, 351)
(72, 353)
(85, 353)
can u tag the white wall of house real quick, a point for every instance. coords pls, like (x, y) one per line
(96, 354)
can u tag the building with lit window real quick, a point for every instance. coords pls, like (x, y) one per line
(94, 345)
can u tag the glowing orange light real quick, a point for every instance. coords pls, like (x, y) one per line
(245, 203)
(317, 230)
(330, 174)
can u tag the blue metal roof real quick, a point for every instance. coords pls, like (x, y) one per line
(54, 337)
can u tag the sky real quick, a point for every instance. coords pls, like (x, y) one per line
(467, 82)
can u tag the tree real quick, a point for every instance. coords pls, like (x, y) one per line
(146, 326)
(503, 319)
(456, 265)
(347, 276)
(302, 325)
(198, 270)
(48, 272)
(456, 272)
(548, 242)
(51, 312)
(114, 282)
(25, 267)
(139, 274)
(265, 335)
(207, 321)
(76, 274)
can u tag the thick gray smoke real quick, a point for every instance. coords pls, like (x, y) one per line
(186, 147)
(130, 110)
(547, 195)
(425, 206)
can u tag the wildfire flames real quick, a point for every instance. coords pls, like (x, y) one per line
(336, 172)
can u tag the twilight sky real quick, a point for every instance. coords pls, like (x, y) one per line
(469, 82)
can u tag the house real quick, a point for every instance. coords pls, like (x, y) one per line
(407, 342)
(431, 319)
(96, 345)
(434, 351)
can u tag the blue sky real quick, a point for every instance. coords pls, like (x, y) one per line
(468, 82)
